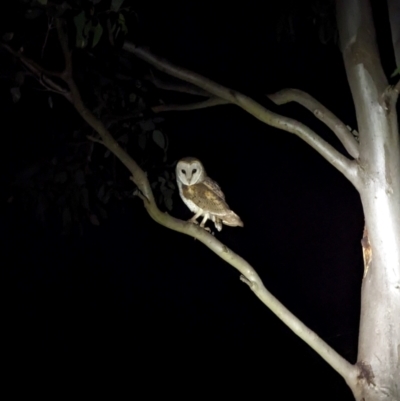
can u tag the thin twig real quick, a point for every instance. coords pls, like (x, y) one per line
(92, 138)
(62, 37)
(215, 101)
(49, 27)
(175, 87)
(30, 64)
(41, 74)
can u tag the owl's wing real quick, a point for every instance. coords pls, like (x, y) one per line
(209, 183)
(206, 198)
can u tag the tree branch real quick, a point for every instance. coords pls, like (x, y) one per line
(45, 77)
(347, 167)
(93, 139)
(394, 18)
(367, 80)
(182, 88)
(391, 95)
(63, 39)
(396, 90)
(139, 177)
(215, 101)
(249, 276)
(35, 68)
(322, 113)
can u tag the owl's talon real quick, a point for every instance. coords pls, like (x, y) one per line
(207, 229)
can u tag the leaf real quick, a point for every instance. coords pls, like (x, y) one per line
(57, 10)
(80, 21)
(15, 94)
(168, 203)
(163, 181)
(82, 42)
(101, 192)
(8, 36)
(94, 220)
(116, 5)
(80, 178)
(121, 21)
(85, 198)
(42, 2)
(41, 207)
(61, 177)
(142, 138)
(27, 174)
(123, 139)
(141, 105)
(107, 196)
(97, 32)
(19, 78)
(87, 28)
(159, 139)
(396, 72)
(102, 212)
(147, 125)
(132, 97)
(33, 13)
(167, 195)
(171, 185)
(66, 217)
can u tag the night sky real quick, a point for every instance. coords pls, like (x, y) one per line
(133, 293)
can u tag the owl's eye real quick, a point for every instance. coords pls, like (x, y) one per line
(194, 171)
(183, 171)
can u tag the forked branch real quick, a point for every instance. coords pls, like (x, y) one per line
(322, 113)
(249, 276)
(347, 167)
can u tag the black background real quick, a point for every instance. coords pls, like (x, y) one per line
(156, 301)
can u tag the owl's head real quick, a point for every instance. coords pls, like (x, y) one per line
(190, 171)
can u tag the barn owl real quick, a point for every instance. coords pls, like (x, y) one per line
(203, 196)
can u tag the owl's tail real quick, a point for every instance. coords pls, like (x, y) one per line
(232, 219)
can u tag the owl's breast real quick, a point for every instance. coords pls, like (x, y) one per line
(188, 194)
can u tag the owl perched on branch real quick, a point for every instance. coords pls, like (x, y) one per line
(203, 196)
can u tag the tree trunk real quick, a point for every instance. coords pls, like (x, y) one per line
(379, 171)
